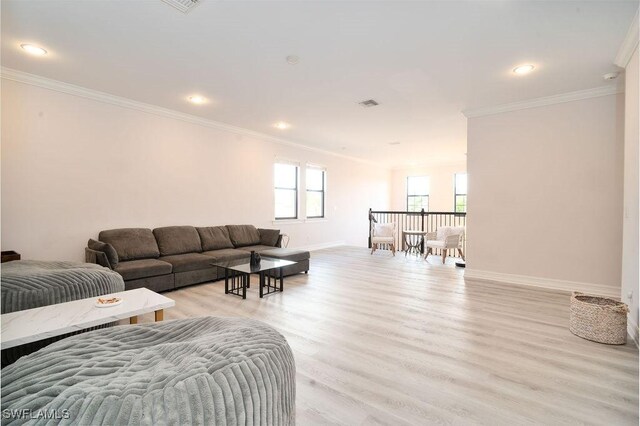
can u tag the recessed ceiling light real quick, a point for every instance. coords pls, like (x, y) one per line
(523, 69)
(33, 49)
(197, 99)
(293, 59)
(282, 125)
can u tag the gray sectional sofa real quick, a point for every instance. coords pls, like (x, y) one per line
(176, 256)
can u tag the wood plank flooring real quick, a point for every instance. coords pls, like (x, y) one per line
(401, 341)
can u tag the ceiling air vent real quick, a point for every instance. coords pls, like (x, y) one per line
(183, 5)
(368, 103)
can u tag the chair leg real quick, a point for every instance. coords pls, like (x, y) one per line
(373, 247)
(444, 255)
(427, 253)
(461, 254)
(393, 248)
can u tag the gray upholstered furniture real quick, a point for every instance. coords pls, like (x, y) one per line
(28, 284)
(222, 371)
(176, 256)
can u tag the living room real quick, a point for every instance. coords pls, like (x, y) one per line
(155, 114)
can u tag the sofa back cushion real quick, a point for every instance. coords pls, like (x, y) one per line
(269, 237)
(243, 235)
(177, 240)
(131, 243)
(214, 238)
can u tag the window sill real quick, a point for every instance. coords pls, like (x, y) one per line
(286, 221)
(296, 221)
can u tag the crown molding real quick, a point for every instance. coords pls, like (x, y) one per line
(432, 164)
(629, 44)
(544, 101)
(83, 92)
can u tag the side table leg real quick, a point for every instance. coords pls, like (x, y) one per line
(226, 281)
(133, 320)
(159, 315)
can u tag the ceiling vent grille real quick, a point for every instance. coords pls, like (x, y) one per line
(183, 5)
(369, 103)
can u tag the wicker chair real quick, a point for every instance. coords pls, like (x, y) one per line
(384, 233)
(445, 239)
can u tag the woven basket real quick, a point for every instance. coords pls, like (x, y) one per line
(600, 319)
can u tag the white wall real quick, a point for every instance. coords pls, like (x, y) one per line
(441, 185)
(630, 276)
(545, 203)
(73, 166)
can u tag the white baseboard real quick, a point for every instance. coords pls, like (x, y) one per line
(553, 284)
(321, 246)
(632, 330)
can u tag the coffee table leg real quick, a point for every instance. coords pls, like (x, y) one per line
(133, 320)
(245, 284)
(159, 315)
(261, 283)
(226, 281)
(281, 281)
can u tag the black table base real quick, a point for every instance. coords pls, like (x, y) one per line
(237, 283)
(269, 280)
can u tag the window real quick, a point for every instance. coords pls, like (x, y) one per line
(286, 191)
(417, 193)
(315, 192)
(461, 193)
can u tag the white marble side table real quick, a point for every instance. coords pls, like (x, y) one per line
(31, 325)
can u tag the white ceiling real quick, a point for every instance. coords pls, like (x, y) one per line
(423, 61)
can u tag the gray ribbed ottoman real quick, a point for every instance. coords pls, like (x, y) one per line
(223, 371)
(28, 284)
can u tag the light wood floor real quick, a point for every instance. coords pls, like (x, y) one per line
(383, 340)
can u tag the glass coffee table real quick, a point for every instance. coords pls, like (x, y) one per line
(238, 272)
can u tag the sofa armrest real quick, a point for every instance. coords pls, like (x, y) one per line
(97, 257)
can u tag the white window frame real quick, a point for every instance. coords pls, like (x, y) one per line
(418, 195)
(297, 190)
(324, 192)
(456, 194)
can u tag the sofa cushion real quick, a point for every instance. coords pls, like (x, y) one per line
(107, 249)
(243, 235)
(269, 237)
(227, 254)
(214, 238)
(286, 254)
(177, 240)
(131, 243)
(188, 262)
(257, 248)
(143, 268)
